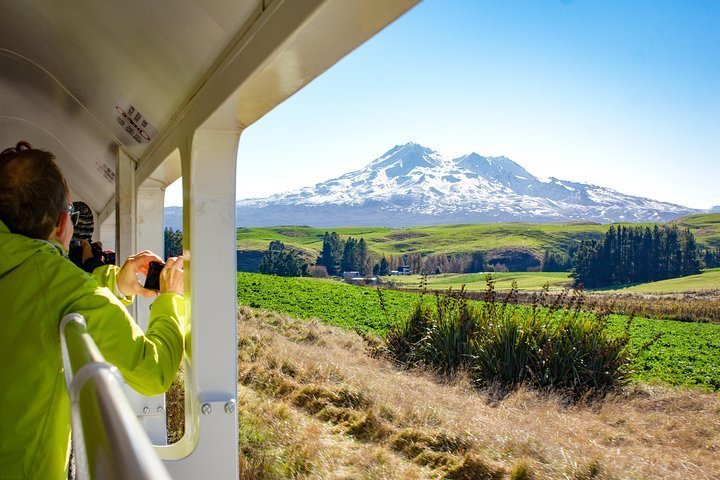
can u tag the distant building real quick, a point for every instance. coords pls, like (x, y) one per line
(404, 270)
(363, 280)
(350, 275)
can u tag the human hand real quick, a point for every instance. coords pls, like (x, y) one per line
(172, 276)
(127, 278)
(87, 252)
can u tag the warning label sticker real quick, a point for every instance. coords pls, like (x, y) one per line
(133, 122)
(106, 171)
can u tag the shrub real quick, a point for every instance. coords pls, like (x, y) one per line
(317, 271)
(446, 345)
(558, 346)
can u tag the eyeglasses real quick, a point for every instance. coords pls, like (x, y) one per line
(74, 214)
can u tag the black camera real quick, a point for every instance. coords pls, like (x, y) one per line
(152, 280)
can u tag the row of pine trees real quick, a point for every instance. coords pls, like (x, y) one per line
(636, 255)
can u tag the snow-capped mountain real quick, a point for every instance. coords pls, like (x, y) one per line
(414, 185)
(411, 185)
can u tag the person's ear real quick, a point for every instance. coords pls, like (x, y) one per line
(61, 226)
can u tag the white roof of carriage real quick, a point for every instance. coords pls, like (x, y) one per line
(77, 76)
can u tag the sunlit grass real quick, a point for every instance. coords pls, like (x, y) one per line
(478, 281)
(314, 402)
(707, 280)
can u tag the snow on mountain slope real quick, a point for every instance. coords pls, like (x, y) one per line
(413, 185)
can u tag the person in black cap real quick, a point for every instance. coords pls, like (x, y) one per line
(83, 253)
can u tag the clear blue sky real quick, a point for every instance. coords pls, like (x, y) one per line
(623, 94)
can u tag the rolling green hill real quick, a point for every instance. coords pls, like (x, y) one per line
(450, 239)
(460, 239)
(705, 227)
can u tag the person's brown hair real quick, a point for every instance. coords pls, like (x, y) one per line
(32, 191)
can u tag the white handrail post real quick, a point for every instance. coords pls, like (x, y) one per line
(109, 442)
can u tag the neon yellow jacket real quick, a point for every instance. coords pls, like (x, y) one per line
(38, 286)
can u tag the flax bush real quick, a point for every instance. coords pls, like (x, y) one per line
(561, 346)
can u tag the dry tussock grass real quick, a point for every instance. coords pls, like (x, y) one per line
(315, 403)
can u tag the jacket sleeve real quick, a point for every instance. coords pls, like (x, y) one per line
(148, 361)
(106, 276)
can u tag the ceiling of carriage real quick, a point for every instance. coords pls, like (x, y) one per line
(71, 69)
(82, 77)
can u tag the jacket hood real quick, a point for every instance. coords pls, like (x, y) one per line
(15, 249)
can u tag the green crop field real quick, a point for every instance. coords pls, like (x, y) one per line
(685, 354)
(457, 239)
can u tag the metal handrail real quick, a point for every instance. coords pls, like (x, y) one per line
(107, 438)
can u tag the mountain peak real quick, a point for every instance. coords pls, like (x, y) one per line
(493, 168)
(402, 159)
(408, 148)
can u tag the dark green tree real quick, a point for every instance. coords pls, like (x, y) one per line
(690, 259)
(477, 263)
(280, 261)
(634, 255)
(384, 266)
(350, 257)
(332, 252)
(364, 258)
(173, 243)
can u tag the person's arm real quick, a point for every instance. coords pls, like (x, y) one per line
(149, 361)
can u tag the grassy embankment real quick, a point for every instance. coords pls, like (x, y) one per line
(686, 353)
(314, 403)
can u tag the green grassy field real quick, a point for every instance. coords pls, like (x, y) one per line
(686, 353)
(456, 239)
(449, 239)
(477, 281)
(707, 280)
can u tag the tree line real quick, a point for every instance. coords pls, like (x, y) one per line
(711, 257)
(282, 261)
(636, 255)
(352, 255)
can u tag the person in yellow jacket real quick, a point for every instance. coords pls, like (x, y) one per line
(38, 286)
